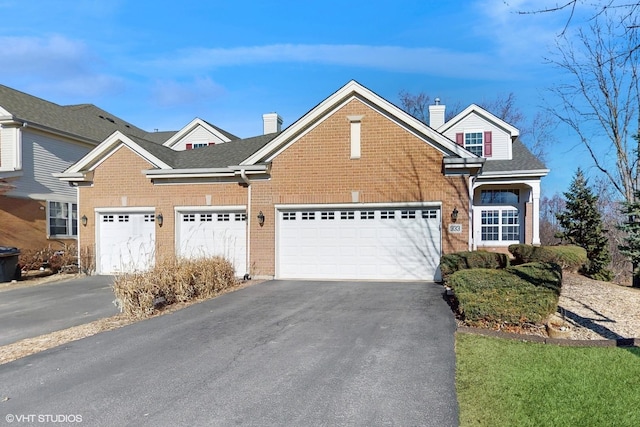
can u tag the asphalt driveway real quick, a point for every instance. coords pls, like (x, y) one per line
(35, 310)
(281, 353)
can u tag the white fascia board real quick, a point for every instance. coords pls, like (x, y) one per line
(190, 127)
(106, 147)
(473, 108)
(187, 173)
(71, 177)
(515, 174)
(251, 168)
(343, 95)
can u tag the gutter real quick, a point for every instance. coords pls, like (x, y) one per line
(27, 124)
(515, 174)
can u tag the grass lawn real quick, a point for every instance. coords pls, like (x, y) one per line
(511, 383)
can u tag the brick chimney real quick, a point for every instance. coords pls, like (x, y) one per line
(272, 123)
(436, 114)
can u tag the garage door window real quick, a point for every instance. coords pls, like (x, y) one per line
(347, 215)
(327, 215)
(367, 215)
(430, 214)
(387, 214)
(62, 219)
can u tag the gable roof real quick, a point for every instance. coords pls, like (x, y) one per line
(83, 121)
(222, 134)
(214, 158)
(353, 90)
(473, 108)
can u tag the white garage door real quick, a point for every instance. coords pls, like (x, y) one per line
(214, 233)
(377, 243)
(126, 242)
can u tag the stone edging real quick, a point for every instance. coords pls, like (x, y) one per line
(621, 342)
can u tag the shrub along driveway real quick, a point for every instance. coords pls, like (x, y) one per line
(277, 353)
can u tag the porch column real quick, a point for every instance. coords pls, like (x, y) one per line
(535, 199)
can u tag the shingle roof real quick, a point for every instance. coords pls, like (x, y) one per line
(222, 131)
(216, 156)
(522, 160)
(222, 155)
(84, 120)
(166, 154)
(159, 137)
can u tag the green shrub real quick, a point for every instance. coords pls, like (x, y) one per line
(571, 258)
(519, 294)
(172, 281)
(451, 263)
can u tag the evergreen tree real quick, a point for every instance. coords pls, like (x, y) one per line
(631, 248)
(581, 225)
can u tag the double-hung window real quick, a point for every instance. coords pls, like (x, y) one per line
(500, 216)
(62, 218)
(478, 142)
(473, 142)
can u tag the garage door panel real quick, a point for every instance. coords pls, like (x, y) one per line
(213, 233)
(375, 243)
(126, 242)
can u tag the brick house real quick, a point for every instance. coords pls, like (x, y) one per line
(354, 189)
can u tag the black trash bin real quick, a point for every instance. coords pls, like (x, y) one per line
(8, 263)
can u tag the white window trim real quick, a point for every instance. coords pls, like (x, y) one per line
(69, 220)
(464, 139)
(501, 208)
(356, 131)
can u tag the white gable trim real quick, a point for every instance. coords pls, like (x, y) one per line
(348, 92)
(190, 127)
(105, 149)
(473, 108)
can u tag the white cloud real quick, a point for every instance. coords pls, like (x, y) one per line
(169, 93)
(54, 65)
(423, 60)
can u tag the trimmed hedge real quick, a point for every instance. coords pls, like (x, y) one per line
(451, 263)
(521, 294)
(571, 258)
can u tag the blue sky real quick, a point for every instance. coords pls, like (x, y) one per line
(160, 64)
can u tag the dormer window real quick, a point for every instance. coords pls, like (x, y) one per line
(476, 142)
(473, 142)
(191, 146)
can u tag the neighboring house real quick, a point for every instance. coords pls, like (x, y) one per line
(39, 138)
(354, 189)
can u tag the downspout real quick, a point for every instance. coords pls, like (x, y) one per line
(245, 178)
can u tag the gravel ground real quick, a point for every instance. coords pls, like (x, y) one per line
(599, 310)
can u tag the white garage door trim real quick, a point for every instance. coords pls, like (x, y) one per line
(377, 245)
(144, 252)
(238, 254)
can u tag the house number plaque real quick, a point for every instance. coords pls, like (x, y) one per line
(455, 228)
